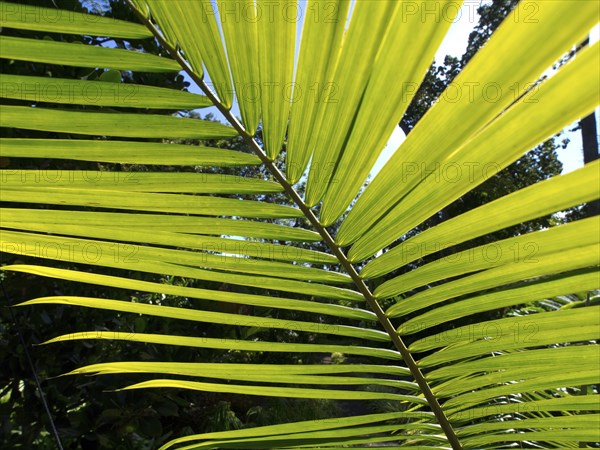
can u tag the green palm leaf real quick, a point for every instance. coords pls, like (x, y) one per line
(325, 111)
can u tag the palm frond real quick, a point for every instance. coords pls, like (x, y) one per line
(331, 106)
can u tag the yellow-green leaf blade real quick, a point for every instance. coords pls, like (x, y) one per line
(174, 182)
(125, 152)
(577, 259)
(299, 427)
(390, 89)
(211, 316)
(197, 293)
(145, 258)
(270, 373)
(555, 194)
(142, 201)
(589, 421)
(230, 369)
(524, 249)
(97, 93)
(238, 21)
(319, 52)
(111, 124)
(561, 404)
(533, 330)
(451, 122)
(191, 25)
(561, 379)
(368, 25)
(163, 222)
(228, 344)
(315, 289)
(559, 435)
(274, 391)
(36, 18)
(78, 55)
(502, 142)
(225, 246)
(276, 67)
(531, 359)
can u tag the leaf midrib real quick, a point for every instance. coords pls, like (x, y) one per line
(319, 228)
